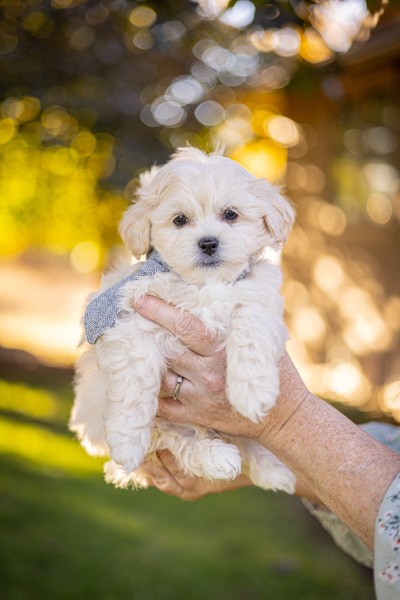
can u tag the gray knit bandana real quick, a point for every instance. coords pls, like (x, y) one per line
(103, 311)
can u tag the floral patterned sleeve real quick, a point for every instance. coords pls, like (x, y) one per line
(387, 545)
(386, 557)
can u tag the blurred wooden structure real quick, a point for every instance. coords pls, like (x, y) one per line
(359, 100)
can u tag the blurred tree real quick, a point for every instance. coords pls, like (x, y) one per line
(92, 92)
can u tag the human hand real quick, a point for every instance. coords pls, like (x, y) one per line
(202, 396)
(168, 479)
(338, 462)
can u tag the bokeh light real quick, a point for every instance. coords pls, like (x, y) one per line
(283, 130)
(389, 398)
(128, 83)
(85, 257)
(209, 113)
(240, 15)
(379, 208)
(142, 16)
(263, 158)
(339, 22)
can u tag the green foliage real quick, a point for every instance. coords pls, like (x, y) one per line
(76, 77)
(51, 194)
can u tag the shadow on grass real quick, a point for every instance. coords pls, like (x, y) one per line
(54, 427)
(66, 537)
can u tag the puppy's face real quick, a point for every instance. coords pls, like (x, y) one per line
(208, 223)
(207, 217)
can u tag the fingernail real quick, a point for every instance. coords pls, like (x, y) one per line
(139, 303)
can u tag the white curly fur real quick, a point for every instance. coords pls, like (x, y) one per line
(118, 379)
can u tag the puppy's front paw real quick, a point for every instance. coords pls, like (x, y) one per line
(254, 397)
(129, 452)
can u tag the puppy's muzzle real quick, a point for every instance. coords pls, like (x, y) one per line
(208, 245)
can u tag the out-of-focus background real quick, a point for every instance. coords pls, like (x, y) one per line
(92, 93)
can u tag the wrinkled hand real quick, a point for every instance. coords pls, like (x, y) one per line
(168, 479)
(202, 397)
(202, 400)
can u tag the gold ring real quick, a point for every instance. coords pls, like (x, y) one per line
(178, 385)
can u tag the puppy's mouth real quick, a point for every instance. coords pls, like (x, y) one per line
(209, 262)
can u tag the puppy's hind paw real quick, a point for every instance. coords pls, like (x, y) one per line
(114, 474)
(267, 472)
(213, 459)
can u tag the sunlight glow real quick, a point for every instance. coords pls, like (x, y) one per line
(391, 312)
(313, 48)
(215, 78)
(142, 16)
(85, 257)
(368, 333)
(45, 321)
(27, 400)
(389, 399)
(239, 15)
(379, 208)
(332, 219)
(339, 21)
(286, 41)
(263, 158)
(345, 381)
(7, 129)
(309, 325)
(328, 273)
(382, 177)
(283, 130)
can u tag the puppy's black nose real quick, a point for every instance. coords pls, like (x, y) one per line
(208, 245)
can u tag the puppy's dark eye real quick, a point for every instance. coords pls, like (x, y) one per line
(230, 215)
(180, 220)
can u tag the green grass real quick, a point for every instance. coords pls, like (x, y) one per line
(65, 534)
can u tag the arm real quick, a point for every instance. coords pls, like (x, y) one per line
(345, 467)
(342, 465)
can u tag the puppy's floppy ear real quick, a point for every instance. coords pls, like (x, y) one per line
(279, 214)
(134, 228)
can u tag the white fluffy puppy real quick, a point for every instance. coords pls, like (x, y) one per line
(209, 219)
